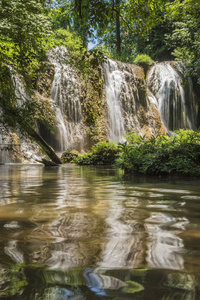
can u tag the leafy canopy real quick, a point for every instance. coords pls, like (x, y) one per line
(23, 26)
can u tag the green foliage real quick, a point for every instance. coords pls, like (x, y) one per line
(23, 26)
(70, 40)
(60, 16)
(69, 155)
(179, 153)
(142, 59)
(24, 30)
(104, 51)
(153, 41)
(114, 22)
(185, 36)
(103, 153)
(176, 35)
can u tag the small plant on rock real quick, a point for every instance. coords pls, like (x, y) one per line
(69, 155)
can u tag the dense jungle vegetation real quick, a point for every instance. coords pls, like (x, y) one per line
(121, 29)
(161, 155)
(136, 31)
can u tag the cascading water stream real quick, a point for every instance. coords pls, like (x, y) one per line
(65, 95)
(4, 155)
(131, 104)
(113, 81)
(165, 81)
(127, 104)
(56, 97)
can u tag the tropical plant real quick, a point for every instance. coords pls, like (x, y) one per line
(179, 153)
(24, 28)
(103, 153)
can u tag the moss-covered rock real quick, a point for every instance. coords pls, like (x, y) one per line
(93, 103)
(69, 155)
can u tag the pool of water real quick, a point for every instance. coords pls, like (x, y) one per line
(73, 232)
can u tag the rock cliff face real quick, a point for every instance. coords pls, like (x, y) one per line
(115, 98)
(10, 150)
(129, 104)
(175, 97)
(111, 99)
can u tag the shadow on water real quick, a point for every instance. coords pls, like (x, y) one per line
(75, 232)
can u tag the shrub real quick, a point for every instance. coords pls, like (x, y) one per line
(103, 153)
(69, 155)
(142, 59)
(179, 153)
(104, 51)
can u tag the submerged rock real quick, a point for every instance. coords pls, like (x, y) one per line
(181, 281)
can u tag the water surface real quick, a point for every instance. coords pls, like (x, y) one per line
(73, 232)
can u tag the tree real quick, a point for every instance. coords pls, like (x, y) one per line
(176, 35)
(23, 26)
(185, 36)
(120, 19)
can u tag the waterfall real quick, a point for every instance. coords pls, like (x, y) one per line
(164, 102)
(121, 97)
(4, 154)
(166, 81)
(65, 96)
(113, 81)
(127, 102)
(56, 97)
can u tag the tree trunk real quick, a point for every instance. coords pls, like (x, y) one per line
(34, 135)
(39, 140)
(118, 38)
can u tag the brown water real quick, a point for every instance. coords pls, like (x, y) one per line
(92, 233)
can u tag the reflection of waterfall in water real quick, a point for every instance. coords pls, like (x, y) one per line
(13, 252)
(166, 83)
(164, 245)
(72, 225)
(118, 252)
(65, 95)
